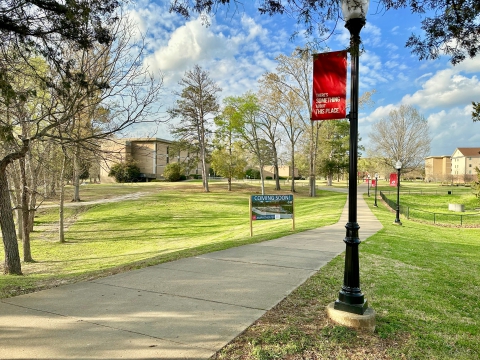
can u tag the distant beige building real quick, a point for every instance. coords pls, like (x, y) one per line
(438, 168)
(150, 154)
(464, 161)
(283, 171)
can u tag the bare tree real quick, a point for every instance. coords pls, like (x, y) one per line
(295, 73)
(404, 136)
(270, 123)
(196, 107)
(288, 107)
(125, 90)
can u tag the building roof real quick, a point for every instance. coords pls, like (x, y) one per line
(438, 156)
(470, 151)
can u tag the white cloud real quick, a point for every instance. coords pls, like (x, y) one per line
(154, 20)
(391, 64)
(372, 35)
(446, 88)
(469, 65)
(379, 113)
(190, 44)
(254, 30)
(236, 56)
(451, 129)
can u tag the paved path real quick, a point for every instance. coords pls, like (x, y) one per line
(186, 309)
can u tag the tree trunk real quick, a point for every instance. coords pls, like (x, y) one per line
(275, 170)
(61, 231)
(12, 256)
(33, 193)
(76, 176)
(313, 158)
(262, 179)
(229, 183)
(204, 170)
(27, 253)
(329, 179)
(292, 187)
(17, 200)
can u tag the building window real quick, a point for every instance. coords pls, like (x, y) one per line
(470, 165)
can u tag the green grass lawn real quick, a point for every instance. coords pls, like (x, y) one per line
(431, 204)
(168, 222)
(423, 281)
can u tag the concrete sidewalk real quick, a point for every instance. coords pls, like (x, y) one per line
(186, 309)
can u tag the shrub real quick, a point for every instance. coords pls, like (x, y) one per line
(253, 174)
(173, 172)
(268, 178)
(125, 172)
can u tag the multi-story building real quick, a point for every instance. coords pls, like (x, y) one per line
(464, 161)
(438, 168)
(150, 154)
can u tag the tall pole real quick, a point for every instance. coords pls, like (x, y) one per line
(350, 297)
(397, 219)
(376, 186)
(368, 185)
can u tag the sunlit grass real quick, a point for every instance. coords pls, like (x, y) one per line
(168, 222)
(423, 282)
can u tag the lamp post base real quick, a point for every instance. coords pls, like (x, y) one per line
(364, 321)
(358, 309)
(397, 222)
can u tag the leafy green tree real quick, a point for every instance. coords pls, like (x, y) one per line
(333, 158)
(125, 172)
(476, 111)
(173, 172)
(228, 159)
(247, 123)
(229, 163)
(252, 173)
(476, 184)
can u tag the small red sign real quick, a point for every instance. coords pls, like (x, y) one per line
(393, 179)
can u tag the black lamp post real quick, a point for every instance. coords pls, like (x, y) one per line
(350, 297)
(398, 166)
(376, 186)
(368, 185)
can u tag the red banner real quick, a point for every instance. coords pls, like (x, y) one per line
(393, 179)
(329, 86)
(374, 183)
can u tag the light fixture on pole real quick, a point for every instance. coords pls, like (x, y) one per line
(398, 166)
(376, 186)
(350, 297)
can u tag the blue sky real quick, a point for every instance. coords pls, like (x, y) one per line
(240, 45)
